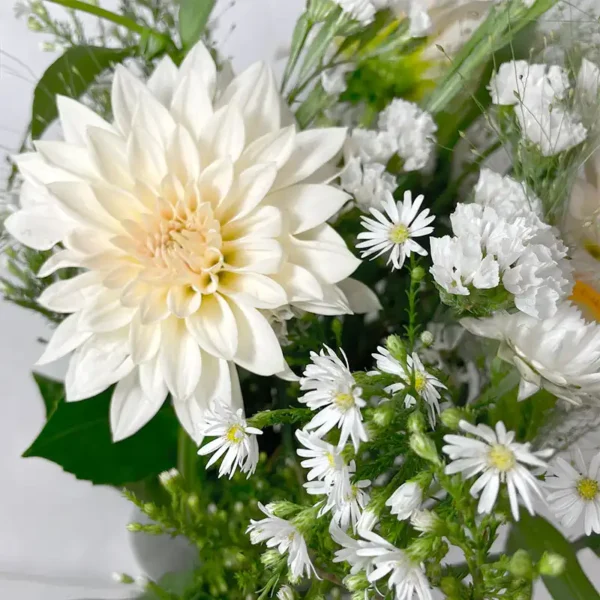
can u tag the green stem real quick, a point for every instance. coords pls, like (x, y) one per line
(102, 13)
(187, 459)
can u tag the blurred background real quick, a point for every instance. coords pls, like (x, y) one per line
(60, 538)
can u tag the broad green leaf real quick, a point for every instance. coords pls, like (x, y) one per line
(537, 536)
(193, 17)
(52, 391)
(70, 75)
(77, 437)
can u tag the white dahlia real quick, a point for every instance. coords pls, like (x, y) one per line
(197, 209)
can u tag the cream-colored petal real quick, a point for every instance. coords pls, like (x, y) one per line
(183, 300)
(361, 298)
(106, 313)
(69, 158)
(183, 157)
(223, 135)
(38, 229)
(192, 105)
(144, 340)
(254, 255)
(276, 147)
(109, 154)
(264, 222)
(66, 338)
(199, 61)
(258, 291)
(62, 259)
(299, 283)
(161, 83)
(75, 118)
(70, 295)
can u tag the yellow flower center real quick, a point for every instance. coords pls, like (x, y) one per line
(588, 489)
(235, 434)
(344, 401)
(593, 249)
(399, 234)
(501, 457)
(420, 382)
(331, 459)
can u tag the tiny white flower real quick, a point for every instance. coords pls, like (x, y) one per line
(414, 373)
(368, 520)
(577, 491)
(395, 231)
(281, 534)
(406, 500)
(369, 183)
(414, 131)
(324, 460)
(500, 460)
(370, 146)
(234, 439)
(560, 354)
(330, 386)
(349, 507)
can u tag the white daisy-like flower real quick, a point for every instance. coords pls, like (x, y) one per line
(500, 460)
(331, 389)
(560, 354)
(395, 231)
(414, 131)
(234, 439)
(576, 491)
(414, 374)
(406, 578)
(369, 183)
(362, 11)
(281, 534)
(198, 208)
(349, 506)
(406, 500)
(350, 550)
(324, 460)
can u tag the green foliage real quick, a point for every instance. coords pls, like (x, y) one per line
(193, 19)
(77, 437)
(70, 75)
(537, 536)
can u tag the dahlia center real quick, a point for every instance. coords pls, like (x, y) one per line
(344, 401)
(420, 382)
(235, 434)
(501, 457)
(399, 234)
(588, 488)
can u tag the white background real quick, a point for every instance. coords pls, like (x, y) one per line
(60, 539)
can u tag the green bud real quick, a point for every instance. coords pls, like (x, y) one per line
(418, 274)
(421, 548)
(286, 593)
(451, 417)
(357, 583)
(416, 423)
(134, 527)
(383, 414)
(397, 348)
(305, 520)
(33, 24)
(123, 578)
(424, 447)
(39, 9)
(48, 47)
(521, 565)
(552, 564)
(193, 502)
(451, 587)
(427, 339)
(170, 480)
(284, 510)
(271, 559)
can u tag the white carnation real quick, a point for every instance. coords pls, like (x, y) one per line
(369, 183)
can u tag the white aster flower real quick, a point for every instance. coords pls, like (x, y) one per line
(576, 491)
(500, 460)
(406, 500)
(330, 387)
(234, 439)
(368, 520)
(349, 552)
(369, 183)
(190, 214)
(362, 11)
(560, 354)
(414, 374)
(395, 231)
(281, 534)
(324, 460)
(413, 130)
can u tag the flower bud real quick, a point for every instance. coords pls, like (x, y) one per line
(134, 527)
(397, 348)
(38, 8)
(271, 559)
(357, 583)
(418, 274)
(170, 480)
(383, 414)
(451, 587)
(416, 423)
(426, 521)
(424, 447)
(521, 565)
(33, 24)
(451, 417)
(123, 578)
(286, 593)
(427, 339)
(421, 548)
(284, 509)
(193, 502)
(551, 564)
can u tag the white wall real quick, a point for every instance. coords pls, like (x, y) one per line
(60, 538)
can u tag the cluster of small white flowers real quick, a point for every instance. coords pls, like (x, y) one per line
(234, 439)
(495, 245)
(539, 93)
(404, 130)
(412, 374)
(378, 559)
(283, 535)
(395, 231)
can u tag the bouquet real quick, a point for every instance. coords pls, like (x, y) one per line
(335, 323)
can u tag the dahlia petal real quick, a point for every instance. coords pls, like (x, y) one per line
(130, 408)
(199, 61)
(313, 148)
(183, 301)
(109, 154)
(151, 378)
(162, 81)
(144, 340)
(216, 180)
(274, 147)
(68, 157)
(258, 347)
(308, 205)
(70, 295)
(192, 104)
(180, 359)
(147, 160)
(214, 327)
(183, 157)
(60, 260)
(75, 118)
(106, 314)
(126, 90)
(154, 306)
(38, 171)
(334, 302)
(36, 228)
(224, 134)
(118, 203)
(259, 255)
(264, 222)
(153, 118)
(66, 338)
(258, 291)
(299, 283)
(361, 298)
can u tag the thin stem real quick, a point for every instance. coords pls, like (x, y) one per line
(102, 13)
(187, 459)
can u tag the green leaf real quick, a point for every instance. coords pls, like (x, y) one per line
(70, 75)
(193, 17)
(52, 391)
(537, 536)
(77, 437)
(301, 31)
